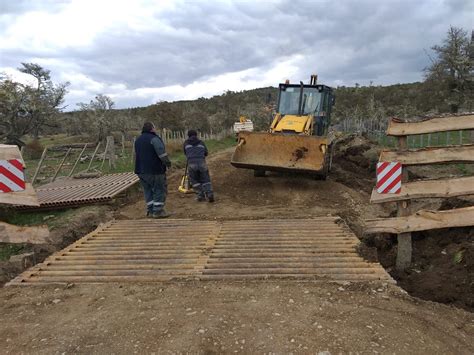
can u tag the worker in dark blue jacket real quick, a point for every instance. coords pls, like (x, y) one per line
(198, 172)
(151, 161)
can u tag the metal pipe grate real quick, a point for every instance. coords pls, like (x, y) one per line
(73, 192)
(162, 250)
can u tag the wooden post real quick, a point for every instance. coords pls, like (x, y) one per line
(77, 161)
(105, 153)
(133, 150)
(111, 151)
(93, 156)
(404, 251)
(39, 166)
(61, 165)
(123, 144)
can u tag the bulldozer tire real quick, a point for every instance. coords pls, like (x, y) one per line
(330, 156)
(327, 165)
(259, 173)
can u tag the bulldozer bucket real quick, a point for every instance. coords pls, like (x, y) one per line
(280, 152)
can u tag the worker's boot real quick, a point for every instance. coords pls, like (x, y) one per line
(201, 197)
(161, 214)
(210, 197)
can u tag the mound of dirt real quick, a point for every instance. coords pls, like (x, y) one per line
(354, 161)
(443, 265)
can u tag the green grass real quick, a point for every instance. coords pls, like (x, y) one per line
(8, 250)
(32, 218)
(59, 139)
(216, 145)
(440, 139)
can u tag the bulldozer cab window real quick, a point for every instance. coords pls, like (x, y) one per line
(290, 100)
(311, 103)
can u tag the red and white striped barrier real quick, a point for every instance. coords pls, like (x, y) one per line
(12, 177)
(389, 178)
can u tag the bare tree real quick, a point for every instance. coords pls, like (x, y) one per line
(98, 114)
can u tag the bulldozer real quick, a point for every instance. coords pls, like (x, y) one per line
(298, 139)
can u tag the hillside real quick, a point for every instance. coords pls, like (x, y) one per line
(219, 112)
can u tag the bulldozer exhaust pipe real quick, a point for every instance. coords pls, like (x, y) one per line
(313, 80)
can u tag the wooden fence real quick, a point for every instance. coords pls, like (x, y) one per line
(406, 222)
(86, 159)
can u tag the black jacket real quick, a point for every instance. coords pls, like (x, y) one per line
(149, 152)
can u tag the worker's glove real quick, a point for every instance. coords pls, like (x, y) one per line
(166, 161)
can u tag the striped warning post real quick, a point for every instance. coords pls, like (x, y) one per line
(12, 177)
(389, 177)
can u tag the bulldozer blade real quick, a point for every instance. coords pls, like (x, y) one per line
(280, 152)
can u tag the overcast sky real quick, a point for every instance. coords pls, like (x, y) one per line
(142, 51)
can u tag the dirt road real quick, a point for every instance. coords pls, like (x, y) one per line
(216, 317)
(244, 317)
(242, 196)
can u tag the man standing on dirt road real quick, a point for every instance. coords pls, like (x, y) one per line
(198, 172)
(151, 161)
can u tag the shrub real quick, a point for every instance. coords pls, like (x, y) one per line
(33, 150)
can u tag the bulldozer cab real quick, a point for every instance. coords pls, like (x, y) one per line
(312, 101)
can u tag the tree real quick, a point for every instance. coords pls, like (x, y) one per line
(452, 69)
(98, 114)
(26, 109)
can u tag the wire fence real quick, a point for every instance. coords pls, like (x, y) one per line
(170, 136)
(375, 130)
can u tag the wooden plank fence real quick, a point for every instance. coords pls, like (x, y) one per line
(406, 222)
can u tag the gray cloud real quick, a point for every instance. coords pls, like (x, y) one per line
(344, 41)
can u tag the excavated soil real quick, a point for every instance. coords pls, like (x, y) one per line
(443, 262)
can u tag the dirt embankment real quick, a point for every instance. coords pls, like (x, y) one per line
(443, 262)
(65, 230)
(442, 268)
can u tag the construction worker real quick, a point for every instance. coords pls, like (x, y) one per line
(151, 162)
(196, 152)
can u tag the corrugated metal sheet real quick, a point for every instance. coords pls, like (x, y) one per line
(72, 192)
(163, 250)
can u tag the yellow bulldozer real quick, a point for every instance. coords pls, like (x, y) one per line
(298, 138)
